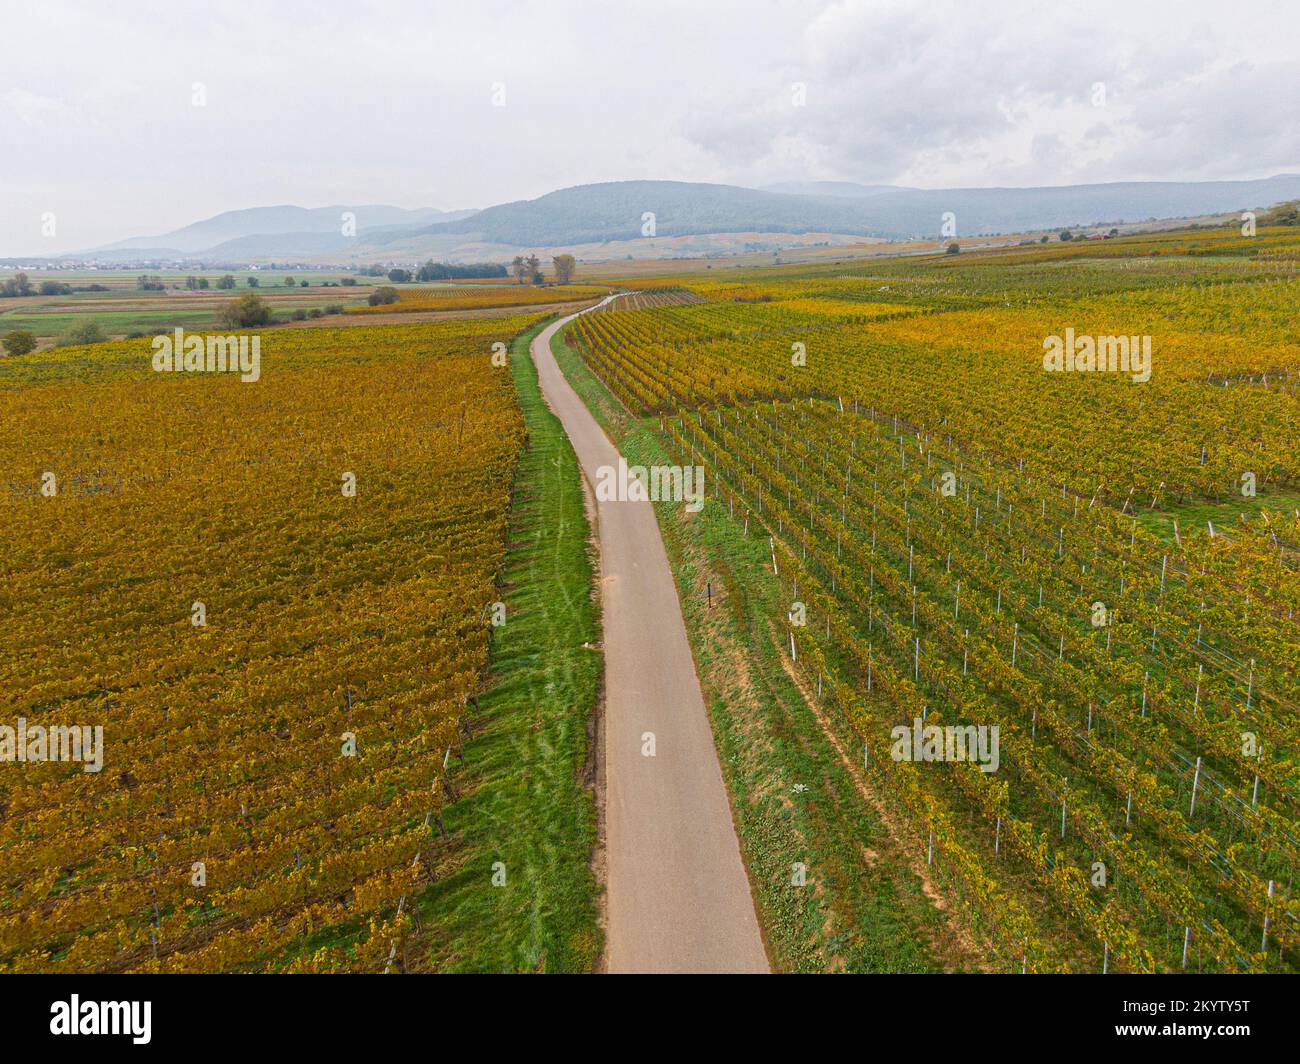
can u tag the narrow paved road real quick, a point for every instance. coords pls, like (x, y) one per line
(678, 898)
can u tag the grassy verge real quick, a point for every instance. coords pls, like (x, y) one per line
(794, 798)
(527, 799)
(1193, 517)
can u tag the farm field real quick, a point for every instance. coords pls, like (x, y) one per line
(278, 600)
(1102, 566)
(121, 309)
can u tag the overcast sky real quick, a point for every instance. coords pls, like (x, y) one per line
(351, 102)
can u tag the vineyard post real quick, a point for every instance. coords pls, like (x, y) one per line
(997, 838)
(1196, 780)
(1187, 941)
(1263, 945)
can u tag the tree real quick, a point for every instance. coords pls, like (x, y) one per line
(431, 271)
(304, 282)
(520, 268)
(19, 342)
(54, 288)
(383, 296)
(192, 283)
(288, 282)
(253, 282)
(226, 282)
(952, 249)
(246, 312)
(1066, 234)
(399, 276)
(83, 331)
(1287, 213)
(533, 266)
(203, 283)
(565, 267)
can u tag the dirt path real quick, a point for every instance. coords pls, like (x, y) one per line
(678, 899)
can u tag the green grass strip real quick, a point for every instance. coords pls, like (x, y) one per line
(528, 803)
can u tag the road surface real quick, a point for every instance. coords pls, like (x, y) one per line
(677, 895)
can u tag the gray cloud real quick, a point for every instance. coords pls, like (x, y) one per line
(317, 103)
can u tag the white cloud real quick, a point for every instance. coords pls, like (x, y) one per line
(32, 109)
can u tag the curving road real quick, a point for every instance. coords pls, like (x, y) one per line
(678, 898)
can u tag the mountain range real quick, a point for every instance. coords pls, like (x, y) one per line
(608, 219)
(258, 232)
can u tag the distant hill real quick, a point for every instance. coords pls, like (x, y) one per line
(614, 210)
(276, 222)
(849, 189)
(589, 216)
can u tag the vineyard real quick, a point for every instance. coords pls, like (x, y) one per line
(1101, 570)
(481, 297)
(273, 599)
(668, 297)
